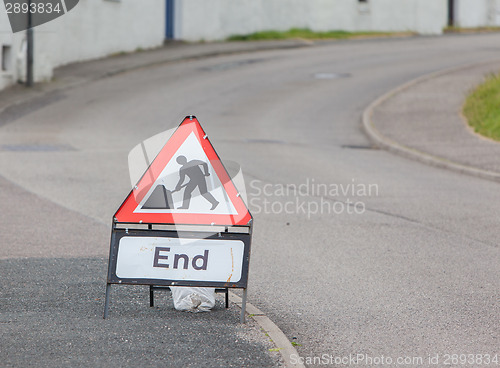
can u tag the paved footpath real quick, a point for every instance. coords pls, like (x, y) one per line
(423, 120)
(54, 273)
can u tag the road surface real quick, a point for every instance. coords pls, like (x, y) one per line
(404, 263)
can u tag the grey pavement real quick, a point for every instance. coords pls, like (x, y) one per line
(426, 117)
(51, 316)
(52, 297)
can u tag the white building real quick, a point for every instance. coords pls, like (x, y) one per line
(475, 13)
(92, 29)
(97, 28)
(196, 20)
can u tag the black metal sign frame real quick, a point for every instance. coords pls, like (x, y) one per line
(118, 234)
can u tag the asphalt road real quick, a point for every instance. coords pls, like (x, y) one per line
(415, 275)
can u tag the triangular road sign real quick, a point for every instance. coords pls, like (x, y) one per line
(185, 184)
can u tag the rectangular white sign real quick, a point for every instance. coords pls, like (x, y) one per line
(216, 260)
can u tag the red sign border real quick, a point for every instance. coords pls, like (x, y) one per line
(125, 214)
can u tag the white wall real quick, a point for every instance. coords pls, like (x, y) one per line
(218, 19)
(7, 38)
(471, 13)
(93, 29)
(97, 28)
(477, 13)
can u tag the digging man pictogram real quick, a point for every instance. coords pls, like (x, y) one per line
(197, 179)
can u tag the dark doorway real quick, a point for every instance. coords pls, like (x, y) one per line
(169, 20)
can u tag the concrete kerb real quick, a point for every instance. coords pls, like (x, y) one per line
(277, 336)
(392, 146)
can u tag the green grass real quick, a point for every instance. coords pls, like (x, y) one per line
(305, 33)
(453, 29)
(482, 108)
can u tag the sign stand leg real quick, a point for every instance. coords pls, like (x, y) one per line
(151, 296)
(108, 297)
(243, 306)
(108, 285)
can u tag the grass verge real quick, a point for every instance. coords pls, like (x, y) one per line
(453, 29)
(482, 108)
(305, 33)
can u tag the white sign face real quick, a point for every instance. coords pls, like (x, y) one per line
(216, 260)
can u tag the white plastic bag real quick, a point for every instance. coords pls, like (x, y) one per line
(193, 299)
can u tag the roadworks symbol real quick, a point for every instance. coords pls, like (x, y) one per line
(24, 14)
(161, 197)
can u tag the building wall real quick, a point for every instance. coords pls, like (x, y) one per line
(477, 13)
(218, 19)
(93, 29)
(13, 45)
(97, 28)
